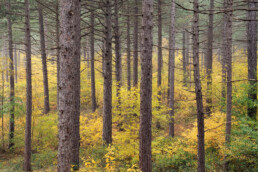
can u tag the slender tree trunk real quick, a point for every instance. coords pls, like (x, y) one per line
(252, 57)
(209, 60)
(107, 107)
(16, 64)
(128, 50)
(184, 59)
(146, 86)
(44, 59)
(228, 58)
(118, 56)
(198, 90)
(27, 149)
(2, 110)
(69, 86)
(160, 58)
(11, 69)
(57, 52)
(92, 49)
(135, 56)
(172, 42)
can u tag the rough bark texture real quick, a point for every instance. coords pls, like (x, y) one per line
(135, 45)
(107, 102)
(184, 59)
(228, 58)
(252, 57)
(69, 86)
(198, 90)
(172, 42)
(128, 49)
(118, 56)
(209, 60)
(11, 69)
(27, 149)
(92, 52)
(44, 59)
(160, 58)
(57, 52)
(146, 86)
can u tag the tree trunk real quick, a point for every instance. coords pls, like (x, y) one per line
(160, 58)
(69, 86)
(107, 107)
(198, 90)
(11, 69)
(228, 58)
(44, 59)
(92, 51)
(146, 87)
(118, 56)
(57, 52)
(252, 57)
(27, 149)
(184, 59)
(172, 42)
(128, 50)
(16, 64)
(135, 42)
(209, 60)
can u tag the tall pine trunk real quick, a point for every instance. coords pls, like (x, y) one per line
(209, 60)
(92, 52)
(107, 102)
(135, 45)
(44, 59)
(11, 69)
(27, 149)
(69, 86)
(228, 58)
(252, 57)
(172, 42)
(146, 86)
(128, 49)
(198, 89)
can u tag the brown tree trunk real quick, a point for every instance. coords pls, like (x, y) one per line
(118, 56)
(160, 58)
(228, 58)
(128, 50)
(209, 60)
(252, 57)
(11, 69)
(92, 52)
(198, 89)
(16, 64)
(184, 59)
(27, 149)
(172, 42)
(69, 86)
(57, 52)
(135, 44)
(107, 102)
(146, 87)
(44, 59)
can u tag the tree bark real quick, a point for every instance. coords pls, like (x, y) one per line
(128, 50)
(209, 60)
(44, 59)
(118, 56)
(92, 52)
(172, 42)
(135, 44)
(107, 107)
(184, 58)
(252, 57)
(160, 58)
(57, 53)
(228, 58)
(69, 86)
(198, 89)
(11, 69)
(27, 149)
(146, 87)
